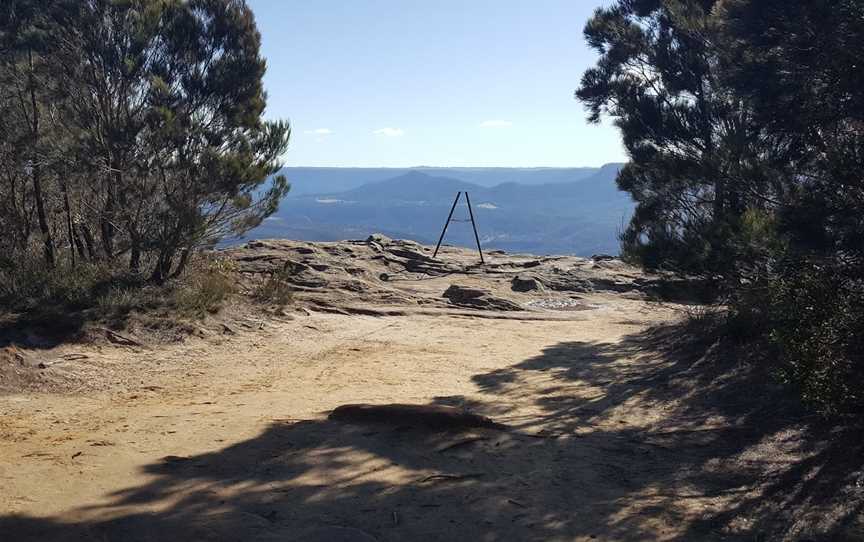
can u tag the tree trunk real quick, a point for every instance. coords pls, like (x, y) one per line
(36, 173)
(45, 230)
(88, 240)
(106, 226)
(181, 265)
(163, 266)
(69, 228)
(79, 244)
(134, 253)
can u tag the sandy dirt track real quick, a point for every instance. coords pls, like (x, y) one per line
(619, 432)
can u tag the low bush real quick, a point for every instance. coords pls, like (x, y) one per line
(703, 319)
(205, 286)
(276, 290)
(816, 316)
(27, 287)
(27, 284)
(808, 323)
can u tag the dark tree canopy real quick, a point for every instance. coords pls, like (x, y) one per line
(696, 156)
(744, 122)
(142, 137)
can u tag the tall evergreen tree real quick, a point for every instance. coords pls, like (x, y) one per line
(134, 128)
(744, 121)
(215, 149)
(691, 144)
(25, 51)
(800, 65)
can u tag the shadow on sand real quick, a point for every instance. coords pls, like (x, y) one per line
(716, 458)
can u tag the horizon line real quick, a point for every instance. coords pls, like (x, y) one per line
(452, 167)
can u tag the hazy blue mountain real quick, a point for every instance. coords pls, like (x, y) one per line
(495, 176)
(582, 216)
(413, 186)
(323, 180)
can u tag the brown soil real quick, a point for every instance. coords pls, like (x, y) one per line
(620, 425)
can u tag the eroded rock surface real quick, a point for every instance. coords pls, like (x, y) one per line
(525, 283)
(362, 276)
(478, 298)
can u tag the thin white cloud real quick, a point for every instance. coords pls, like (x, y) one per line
(320, 131)
(390, 132)
(496, 124)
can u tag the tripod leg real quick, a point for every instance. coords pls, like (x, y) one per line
(474, 225)
(449, 217)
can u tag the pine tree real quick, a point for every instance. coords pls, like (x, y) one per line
(25, 50)
(800, 66)
(157, 141)
(691, 144)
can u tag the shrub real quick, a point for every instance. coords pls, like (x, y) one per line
(205, 286)
(27, 284)
(703, 319)
(125, 298)
(816, 316)
(276, 290)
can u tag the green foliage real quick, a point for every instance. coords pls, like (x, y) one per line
(690, 144)
(817, 322)
(135, 132)
(802, 77)
(27, 284)
(106, 292)
(703, 320)
(121, 299)
(744, 121)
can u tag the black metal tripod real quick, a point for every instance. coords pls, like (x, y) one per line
(450, 219)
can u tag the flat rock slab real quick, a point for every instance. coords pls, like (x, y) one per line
(430, 416)
(525, 283)
(479, 298)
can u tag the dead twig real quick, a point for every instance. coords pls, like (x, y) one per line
(74, 357)
(542, 435)
(461, 442)
(61, 359)
(452, 477)
(122, 340)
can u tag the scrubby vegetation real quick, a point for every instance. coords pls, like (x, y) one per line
(276, 289)
(744, 122)
(97, 292)
(212, 281)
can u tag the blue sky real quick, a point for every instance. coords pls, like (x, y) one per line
(443, 83)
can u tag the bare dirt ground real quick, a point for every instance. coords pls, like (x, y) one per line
(622, 426)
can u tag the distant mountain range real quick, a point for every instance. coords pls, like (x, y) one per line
(324, 180)
(538, 210)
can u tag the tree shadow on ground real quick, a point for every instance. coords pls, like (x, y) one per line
(733, 431)
(656, 436)
(44, 329)
(54, 320)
